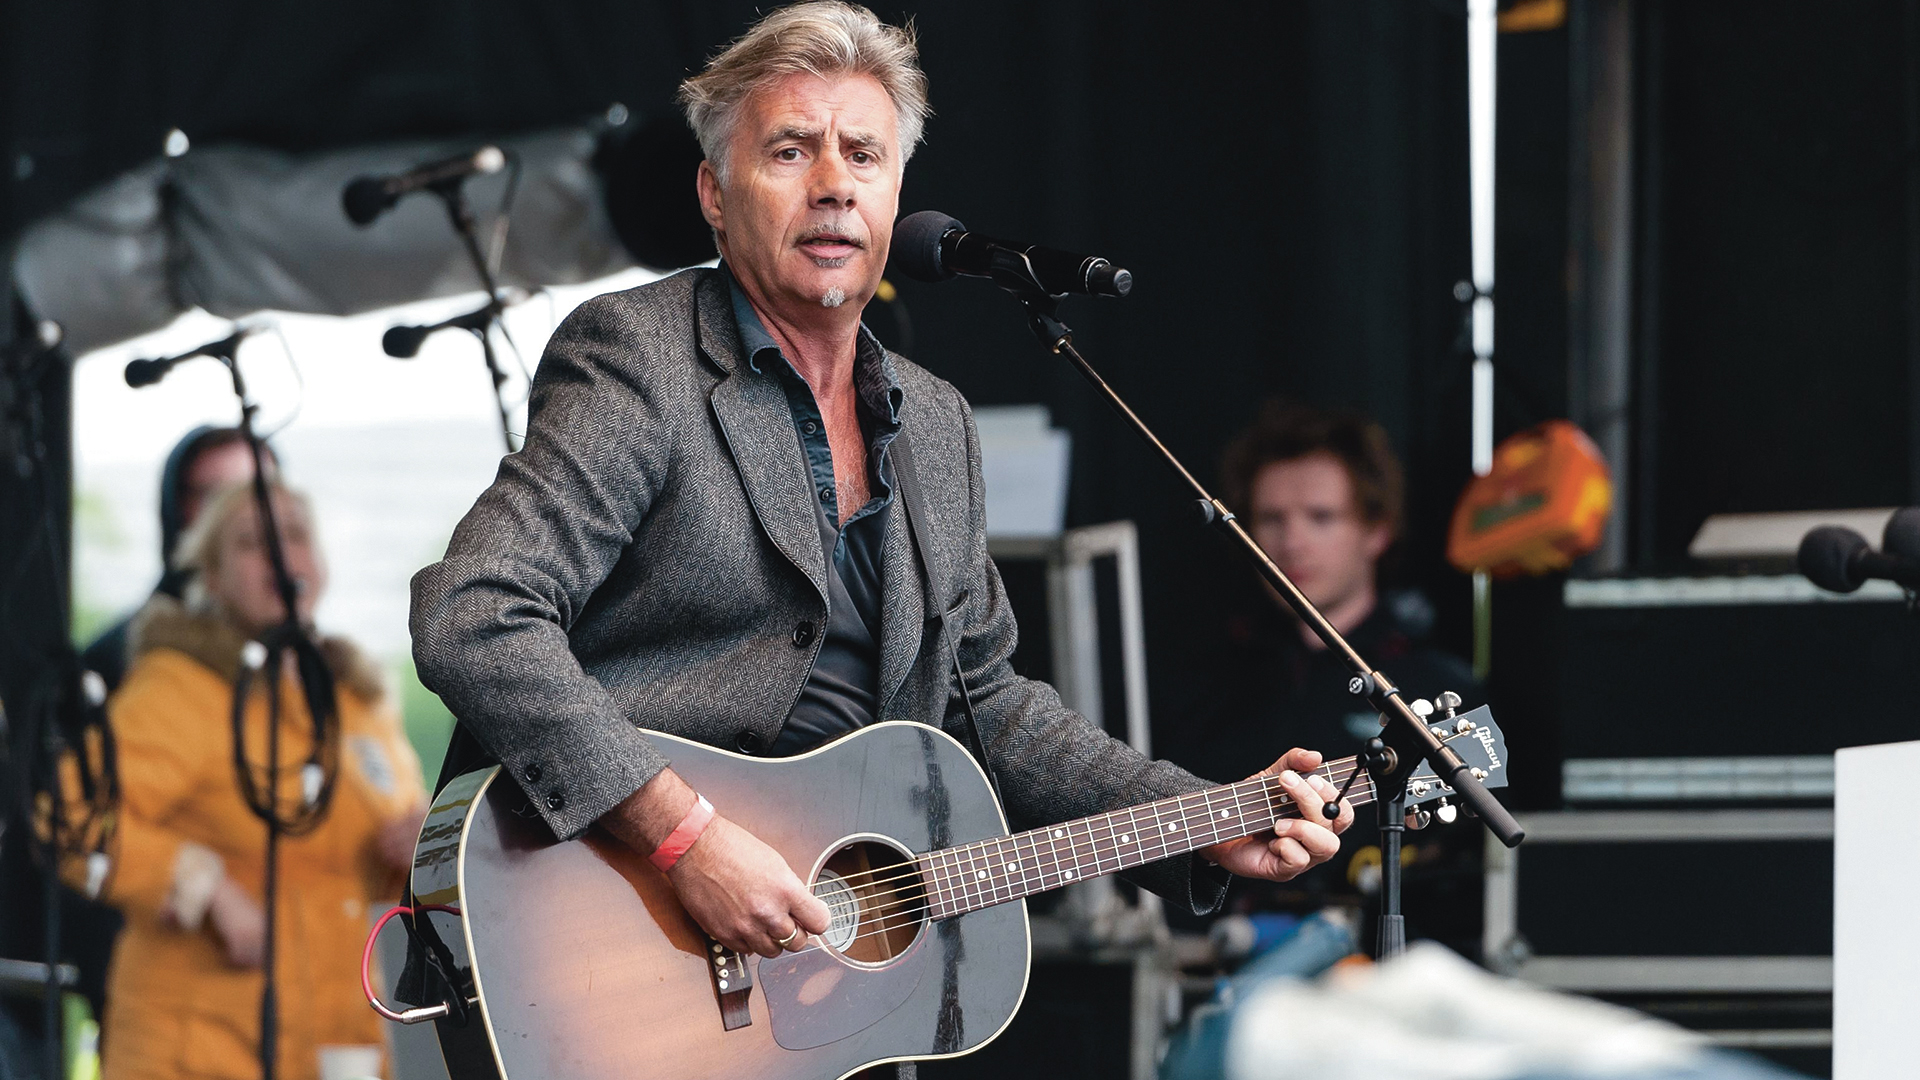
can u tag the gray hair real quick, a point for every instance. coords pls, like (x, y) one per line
(826, 38)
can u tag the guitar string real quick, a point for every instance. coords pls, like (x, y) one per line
(910, 918)
(1259, 789)
(965, 890)
(856, 894)
(1288, 809)
(1241, 790)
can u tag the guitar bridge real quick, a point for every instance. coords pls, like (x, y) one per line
(732, 985)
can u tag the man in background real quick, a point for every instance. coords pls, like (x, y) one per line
(205, 460)
(1321, 491)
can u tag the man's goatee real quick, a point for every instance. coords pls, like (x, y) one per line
(833, 297)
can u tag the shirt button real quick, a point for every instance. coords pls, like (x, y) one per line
(809, 427)
(747, 742)
(826, 494)
(803, 635)
(555, 802)
(531, 774)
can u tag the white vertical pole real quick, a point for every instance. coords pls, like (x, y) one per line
(1482, 34)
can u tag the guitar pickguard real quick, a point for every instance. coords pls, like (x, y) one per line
(814, 997)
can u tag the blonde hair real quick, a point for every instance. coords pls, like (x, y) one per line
(826, 38)
(198, 552)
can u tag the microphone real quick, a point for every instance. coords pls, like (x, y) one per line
(403, 342)
(370, 196)
(931, 246)
(147, 372)
(1902, 536)
(1840, 560)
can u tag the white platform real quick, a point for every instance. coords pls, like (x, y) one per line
(1876, 912)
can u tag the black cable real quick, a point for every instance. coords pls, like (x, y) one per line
(60, 709)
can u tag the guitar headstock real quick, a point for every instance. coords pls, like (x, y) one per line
(1479, 742)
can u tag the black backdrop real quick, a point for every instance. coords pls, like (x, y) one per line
(1288, 184)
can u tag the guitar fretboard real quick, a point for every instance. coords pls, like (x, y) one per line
(994, 871)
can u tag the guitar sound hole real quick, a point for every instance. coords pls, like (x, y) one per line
(875, 899)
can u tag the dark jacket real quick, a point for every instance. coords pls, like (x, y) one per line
(107, 654)
(651, 559)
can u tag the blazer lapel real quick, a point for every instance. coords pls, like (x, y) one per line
(903, 608)
(751, 408)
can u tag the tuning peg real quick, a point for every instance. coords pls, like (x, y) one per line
(1479, 773)
(1418, 818)
(1447, 702)
(1422, 708)
(1445, 812)
(1462, 726)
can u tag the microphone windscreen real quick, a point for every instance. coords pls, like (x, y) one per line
(1827, 557)
(1902, 536)
(916, 245)
(145, 372)
(365, 199)
(403, 342)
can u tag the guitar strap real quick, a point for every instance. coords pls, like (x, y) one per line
(906, 480)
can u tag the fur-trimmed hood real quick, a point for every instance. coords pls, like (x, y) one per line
(165, 623)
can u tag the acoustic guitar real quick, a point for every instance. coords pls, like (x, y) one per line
(578, 963)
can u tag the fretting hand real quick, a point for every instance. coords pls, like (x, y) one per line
(1295, 844)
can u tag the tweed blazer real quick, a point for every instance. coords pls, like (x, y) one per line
(651, 559)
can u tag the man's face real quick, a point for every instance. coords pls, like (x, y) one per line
(209, 471)
(1306, 519)
(813, 186)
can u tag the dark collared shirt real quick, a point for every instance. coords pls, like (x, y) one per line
(842, 687)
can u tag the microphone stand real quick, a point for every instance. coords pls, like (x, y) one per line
(1405, 740)
(453, 194)
(317, 686)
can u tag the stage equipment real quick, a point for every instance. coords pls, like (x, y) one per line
(261, 787)
(446, 179)
(1840, 560)
(934, 247)
(1731, 688)
(367, 197)
(56, 714)
(1405, 738)
(1716, 918)
(1542, 505)
(927, 951)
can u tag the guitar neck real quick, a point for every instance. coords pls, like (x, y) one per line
(994, 871)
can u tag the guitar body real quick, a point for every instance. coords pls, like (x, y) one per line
(585, 967)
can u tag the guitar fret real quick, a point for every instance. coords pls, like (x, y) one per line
(1007, 851)
(1080, 861)
(1029, 866)
(923, 865)
(1113, 840)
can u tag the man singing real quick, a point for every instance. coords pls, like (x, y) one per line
(705, 535)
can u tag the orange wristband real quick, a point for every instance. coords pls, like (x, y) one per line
(699, 816)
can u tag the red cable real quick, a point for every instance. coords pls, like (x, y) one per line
(366, 954)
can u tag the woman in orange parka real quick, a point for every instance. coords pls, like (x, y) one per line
(186, 862)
